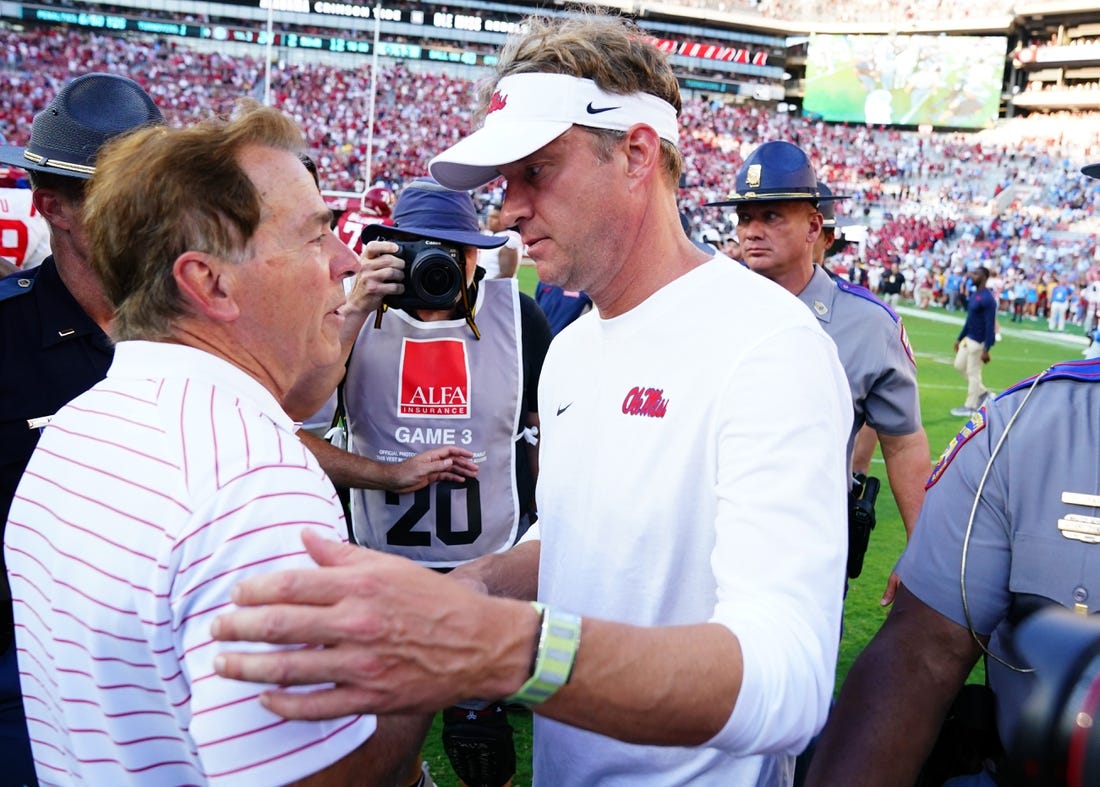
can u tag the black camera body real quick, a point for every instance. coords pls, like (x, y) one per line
(861, 520)
(435, 274)
(1057, 741)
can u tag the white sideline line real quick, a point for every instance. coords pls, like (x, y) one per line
(1036, 334)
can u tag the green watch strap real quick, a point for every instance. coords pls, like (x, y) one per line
(559, 638)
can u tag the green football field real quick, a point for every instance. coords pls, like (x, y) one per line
(1025, 349)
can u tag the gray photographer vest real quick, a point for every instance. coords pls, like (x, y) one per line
(414, 385)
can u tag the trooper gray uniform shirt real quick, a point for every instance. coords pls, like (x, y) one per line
(874, 351)
(1028, 547)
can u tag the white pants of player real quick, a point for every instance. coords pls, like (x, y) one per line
(1057, 321)
(968, 362)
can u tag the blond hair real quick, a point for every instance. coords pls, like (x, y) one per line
(611, 51)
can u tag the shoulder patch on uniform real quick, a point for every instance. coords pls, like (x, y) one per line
(904, 338)
(1081, 371)
(971, 428)
(16, 284)
(867, 295)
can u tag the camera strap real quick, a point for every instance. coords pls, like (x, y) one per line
(466, 307)
(469, 298)
(338, 436)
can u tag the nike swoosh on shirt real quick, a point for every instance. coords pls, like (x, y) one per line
(563, 408)
(591, 110)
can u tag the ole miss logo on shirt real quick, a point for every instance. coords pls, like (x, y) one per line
(649, 402)
(435, 379)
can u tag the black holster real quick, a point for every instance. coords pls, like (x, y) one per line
(861, 520)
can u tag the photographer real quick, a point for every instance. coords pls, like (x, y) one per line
(1007, 529)
(449, 358)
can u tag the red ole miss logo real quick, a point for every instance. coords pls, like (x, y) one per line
(649, 402)
(496, 102)
(435, 379)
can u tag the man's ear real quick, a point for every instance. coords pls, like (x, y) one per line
(206, 284)
(643, 149)
(56, 209)
(817, 223)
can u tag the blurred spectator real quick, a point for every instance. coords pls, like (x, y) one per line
(892, 284)
(502, 261)
(560, 306)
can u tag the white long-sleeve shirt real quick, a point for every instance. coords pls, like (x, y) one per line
(693, 469)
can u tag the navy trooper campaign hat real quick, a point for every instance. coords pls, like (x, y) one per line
(828, 205)
(66, 136)
(827, 209)
(428, 210)
(776, 171)
(1092, 170)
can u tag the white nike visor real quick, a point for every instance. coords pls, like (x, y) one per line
(528, 111)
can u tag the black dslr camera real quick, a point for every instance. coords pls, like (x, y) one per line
(1057, 739)
(435, 275)
(861, 520)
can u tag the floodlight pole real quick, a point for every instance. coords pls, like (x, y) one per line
(373, 94)
(267, 55)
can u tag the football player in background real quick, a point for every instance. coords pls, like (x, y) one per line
(374, 208)
(24, 233)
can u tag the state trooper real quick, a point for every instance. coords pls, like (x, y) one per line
(1002, 534)
(779, 221)
(53, 319)
(830, 242)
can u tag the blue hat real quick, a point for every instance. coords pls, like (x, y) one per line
(828, 205)
(1092, 170)
(775, 172)
(66, 136)
(428, 210)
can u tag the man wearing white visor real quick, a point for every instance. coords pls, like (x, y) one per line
(689, 556)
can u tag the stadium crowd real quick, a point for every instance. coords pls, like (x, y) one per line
(860, 10)
(1009, 198)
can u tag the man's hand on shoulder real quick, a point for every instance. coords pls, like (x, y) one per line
(390, 635)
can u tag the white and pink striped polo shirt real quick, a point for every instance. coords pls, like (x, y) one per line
(147, 499)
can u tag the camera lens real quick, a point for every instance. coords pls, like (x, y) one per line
(437, 279)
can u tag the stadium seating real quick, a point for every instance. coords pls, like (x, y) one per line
(1010, 197)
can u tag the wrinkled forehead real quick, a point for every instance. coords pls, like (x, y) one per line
(289, 198)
